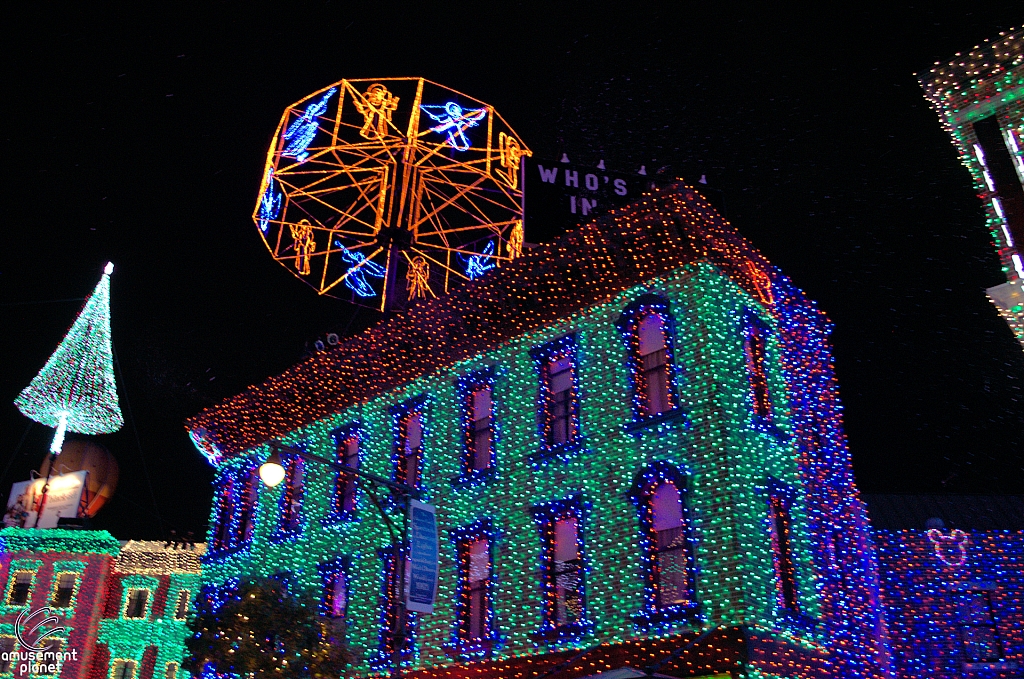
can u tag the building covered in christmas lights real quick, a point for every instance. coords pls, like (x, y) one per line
(979, 97)
(953, 583)
(632, 438)
(119, 609)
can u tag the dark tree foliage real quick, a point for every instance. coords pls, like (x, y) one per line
(262, 631)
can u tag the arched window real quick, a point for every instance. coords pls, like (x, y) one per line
(19, 587)
(123, 669)
(398, 624)
(671, 570)
(480, 427)
(225, 513)
(294, 490)
(782, 552)
(247, 510)
(562, 576)
(474, 545)
(669, 580)
(647, 329)
(568, 606)
(559, 416)
(336, 595)
(558, 372)
(475, 393)
(135, 606)
(345, 484)
(182, 606)
(755, 351)
(654, 359)
(64, 589)
(410, 449)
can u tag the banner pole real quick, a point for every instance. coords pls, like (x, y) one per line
(46, 489)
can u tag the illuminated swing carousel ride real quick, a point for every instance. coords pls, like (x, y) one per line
(387, 191)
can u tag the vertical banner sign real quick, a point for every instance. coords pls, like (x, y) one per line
(421, 573)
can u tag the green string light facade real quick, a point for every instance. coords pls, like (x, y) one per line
(732, 463)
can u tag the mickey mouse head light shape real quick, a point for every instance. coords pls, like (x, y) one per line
(951, 549)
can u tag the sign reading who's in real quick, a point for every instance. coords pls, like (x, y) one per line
(571, 194)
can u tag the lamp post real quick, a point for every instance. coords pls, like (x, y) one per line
(272, 473)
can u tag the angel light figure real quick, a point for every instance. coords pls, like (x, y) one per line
(302, 234)
(454, 121)
(478, 265)
(511, 153)
(270, 203)
(515, 240)
(379, 106)
(417, 278)
(355, 277)
(302, 130)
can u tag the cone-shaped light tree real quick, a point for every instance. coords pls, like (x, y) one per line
(75, 390)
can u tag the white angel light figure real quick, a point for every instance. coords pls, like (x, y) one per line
(355, 277)
(302, 130)
(270, 203)
(454, 120)
(478, 265)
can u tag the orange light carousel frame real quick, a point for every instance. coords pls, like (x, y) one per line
(385, 191)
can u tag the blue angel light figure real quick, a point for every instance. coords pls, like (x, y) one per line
(478, 265)
(355, 277)
(302, 130)
(270, 203)
(454, 121)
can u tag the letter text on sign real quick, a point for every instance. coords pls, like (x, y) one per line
(548, 176)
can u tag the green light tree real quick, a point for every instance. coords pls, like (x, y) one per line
(75, 390)
(262, 631)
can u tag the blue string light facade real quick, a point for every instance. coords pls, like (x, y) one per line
(954, 596)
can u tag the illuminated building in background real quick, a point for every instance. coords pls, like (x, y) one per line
(632, 437)
(979, 97)
(120, 609)
(953, 584)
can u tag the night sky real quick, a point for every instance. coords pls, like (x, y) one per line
(139, 136)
